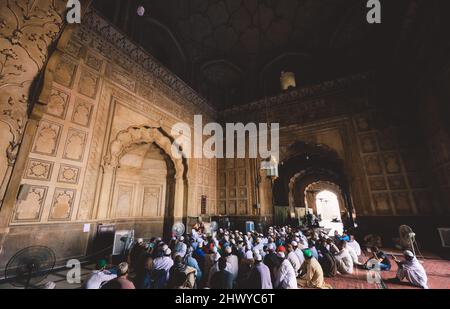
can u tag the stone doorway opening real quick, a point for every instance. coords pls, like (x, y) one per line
(325, 200)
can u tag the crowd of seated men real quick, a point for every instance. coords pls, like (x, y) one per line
(283, 258)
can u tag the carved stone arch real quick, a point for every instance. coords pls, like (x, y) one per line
(325, 185)
(327, 178)
(137, 135)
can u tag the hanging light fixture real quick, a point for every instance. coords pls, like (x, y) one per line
(140, 11)
(270, 167)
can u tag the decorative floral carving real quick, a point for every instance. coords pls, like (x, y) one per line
(27, 29)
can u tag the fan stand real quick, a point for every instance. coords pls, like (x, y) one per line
(413, 242)
(31, 267)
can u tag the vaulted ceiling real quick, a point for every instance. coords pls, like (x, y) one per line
(233, 51)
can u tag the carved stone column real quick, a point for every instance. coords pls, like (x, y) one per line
(265, 193)
(179, 197)
(106, 191)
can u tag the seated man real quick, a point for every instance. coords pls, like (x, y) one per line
(381, 258)
(412, 270)
(343, 259)
(311, 274)
(354, 244)
(260, 275)
(99, 276)
(293, 258)
(327, 260)
(181, 275)
(121, 282)
(285, 276)
(222, 279)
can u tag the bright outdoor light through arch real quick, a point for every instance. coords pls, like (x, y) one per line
(328, 209)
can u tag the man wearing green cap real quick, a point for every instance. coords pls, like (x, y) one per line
(99, 276)
(311, 274)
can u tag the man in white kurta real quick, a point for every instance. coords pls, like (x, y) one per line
(353, 255)
(354, 245)
(164, 263)
(99, 277)
(233, 261)
(285, 277)
(412, 270)
(298, 252)
(293, 258)
(344, 259)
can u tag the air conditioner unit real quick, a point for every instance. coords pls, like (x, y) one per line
(122, 241)
(444, 233)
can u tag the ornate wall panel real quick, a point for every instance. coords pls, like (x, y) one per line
(82, 113)
(152, 202)
(123, 206)
(58, 104)
(75, 145)
(65, 72)
(68, 174)
(62, 205)
(88, 84)
(47, 138)
(397, 165)
(39, 170)
(30, 209)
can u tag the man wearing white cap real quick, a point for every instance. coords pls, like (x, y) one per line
(260, 275)
(215, 268)
(293, 258)
(354, 245)
(271, 260)
(259, 246)
(164, 263)
(180, 247)
(412, 270)
(285, 276)
(121, 282)
(233, 261)
(298, 252)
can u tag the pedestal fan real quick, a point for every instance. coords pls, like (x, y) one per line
(408, 239)
(30, 266)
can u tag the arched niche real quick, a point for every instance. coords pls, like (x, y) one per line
(126, 141)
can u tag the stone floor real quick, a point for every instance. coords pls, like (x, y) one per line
(438, 271)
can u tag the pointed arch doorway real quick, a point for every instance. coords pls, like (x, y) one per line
(325, 200)
(142, 180)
